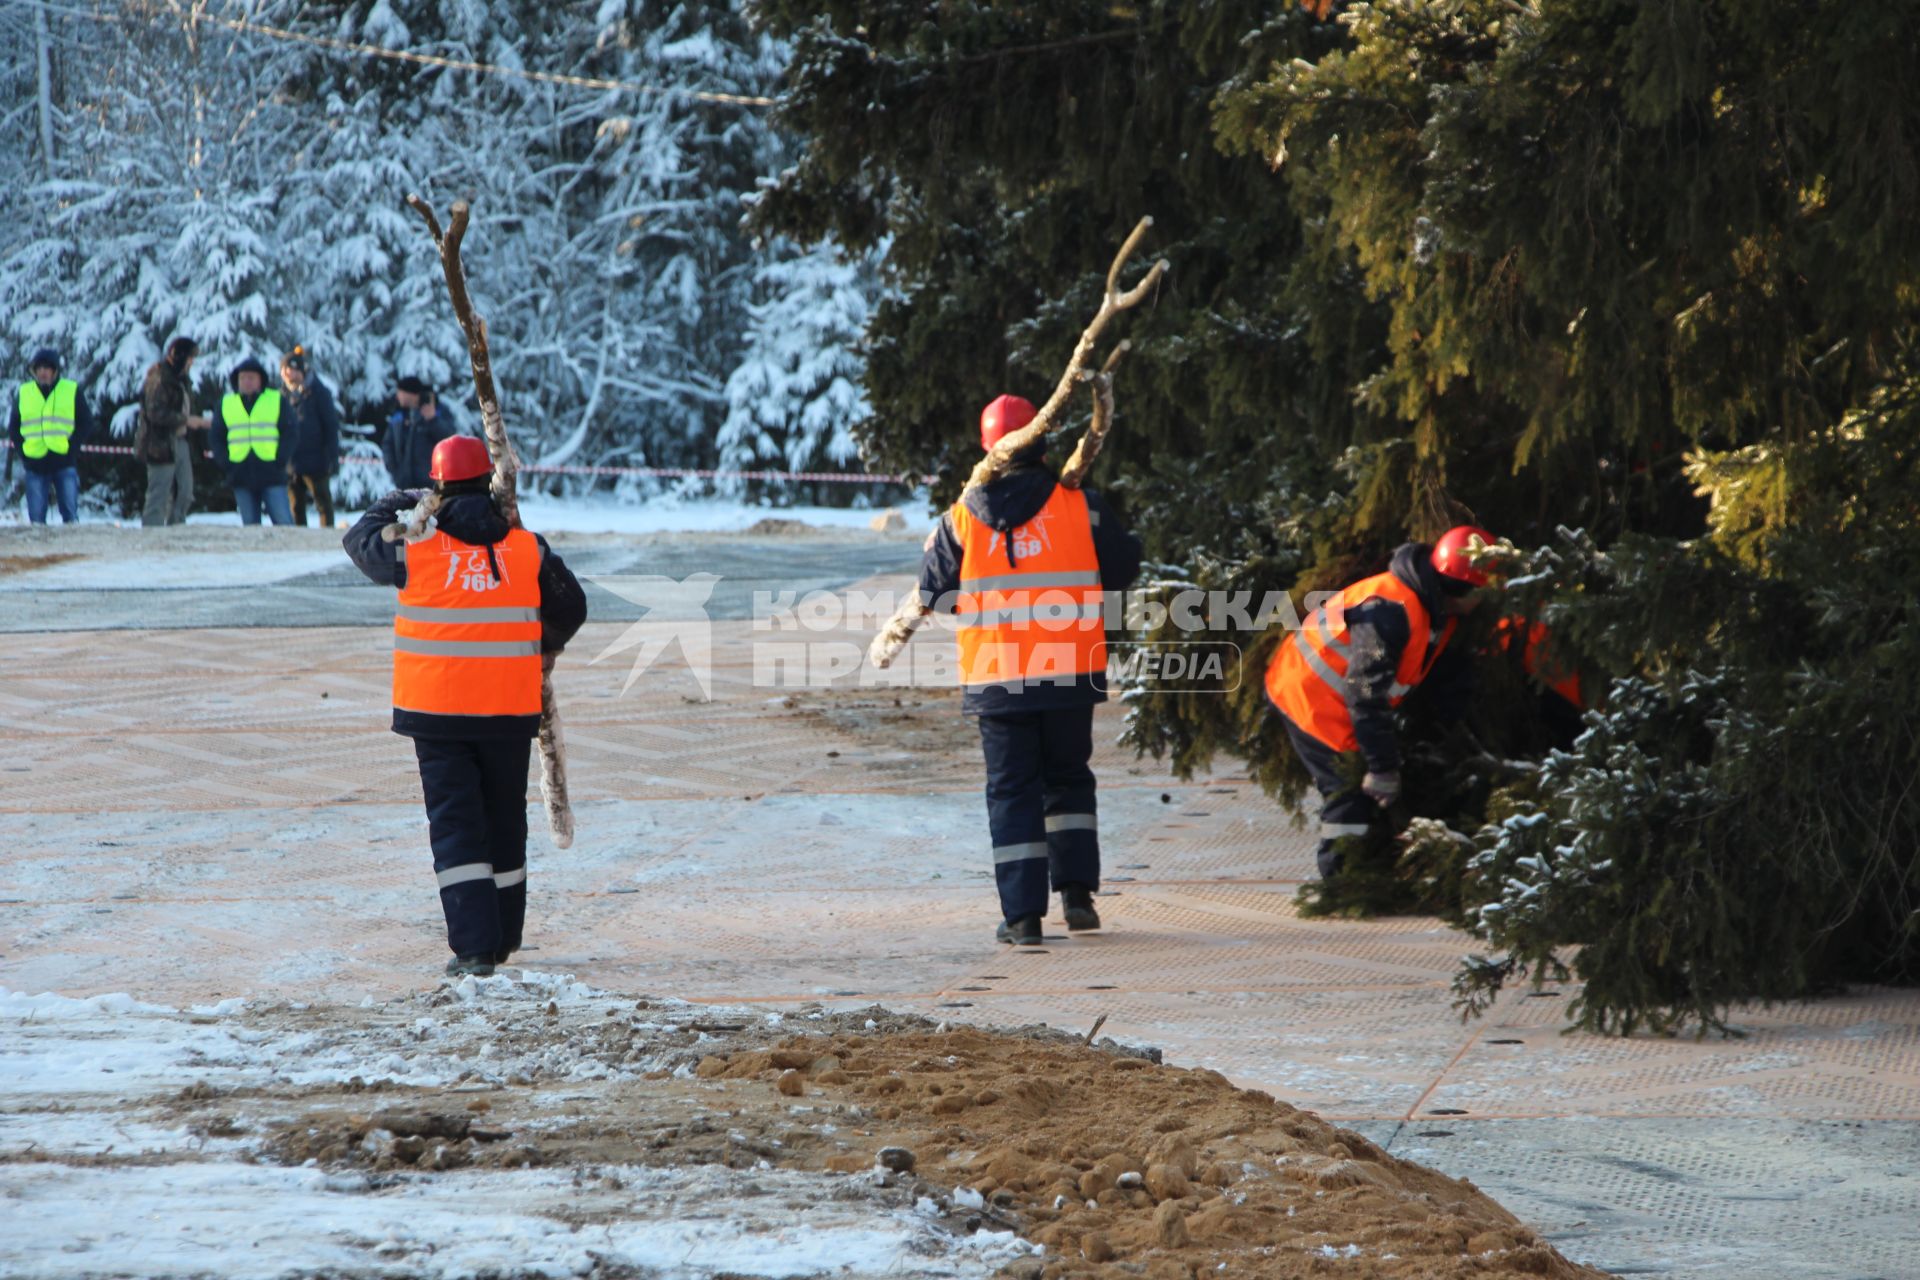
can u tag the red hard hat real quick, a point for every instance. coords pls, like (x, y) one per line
(1006, 415)
(460, 458)
(1450, 556)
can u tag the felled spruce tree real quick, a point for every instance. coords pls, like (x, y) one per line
(1596, 264)
(1630, 251)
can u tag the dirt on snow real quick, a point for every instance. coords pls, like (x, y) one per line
(1120, 1165)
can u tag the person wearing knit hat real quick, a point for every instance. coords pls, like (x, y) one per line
(311, 445)
(417, 423)
(247, 440)
(50, 418)
(160, 439)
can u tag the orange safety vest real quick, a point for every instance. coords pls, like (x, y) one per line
(466, 638)
(1307, 678)
(1534, 660)
(1032, 612)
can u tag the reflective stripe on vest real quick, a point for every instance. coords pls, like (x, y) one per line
(1307, 676)
(466, 638)
(46, 418)
(256, 430)
(1034, 616)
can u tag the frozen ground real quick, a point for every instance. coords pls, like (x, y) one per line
(200, 804)
(132, 1138)
(597, 514)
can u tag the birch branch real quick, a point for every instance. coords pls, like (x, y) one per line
(912, 614)
(1074, 474)
(1112, 303)
(506, 463)
(506, 469)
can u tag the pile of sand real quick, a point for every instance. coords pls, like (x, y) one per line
(1119, 1165)
(1115, 1163)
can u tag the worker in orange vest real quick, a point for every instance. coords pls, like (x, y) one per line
(1337, 681)
(1555, 686)
(482, 608)
(1023, 563)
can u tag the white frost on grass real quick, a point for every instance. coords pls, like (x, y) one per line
(261, 1222)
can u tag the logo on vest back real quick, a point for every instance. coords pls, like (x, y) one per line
(473, 570)
(1029, 540)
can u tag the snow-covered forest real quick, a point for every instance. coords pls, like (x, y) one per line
(175, 169)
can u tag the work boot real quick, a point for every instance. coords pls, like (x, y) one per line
(501, 957)
(480, 965)
(1076, 903)
(1024, 932)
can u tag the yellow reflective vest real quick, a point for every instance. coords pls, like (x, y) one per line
(257, 432)
(46, 418)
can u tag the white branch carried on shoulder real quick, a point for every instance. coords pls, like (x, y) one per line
(912, 613)
(506, 467)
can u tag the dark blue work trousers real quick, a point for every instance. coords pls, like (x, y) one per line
(476, 793)
(1345, 810)
(1040, 808)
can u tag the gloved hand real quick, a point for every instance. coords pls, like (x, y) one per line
(547, 660)
(1381, 788)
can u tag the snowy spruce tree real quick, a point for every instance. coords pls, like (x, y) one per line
(248, 190)
(794, 395)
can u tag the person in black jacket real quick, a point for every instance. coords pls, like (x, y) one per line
(311, 443)
(1008, 551)
(160, 440)
(482, 608)
(416, 425)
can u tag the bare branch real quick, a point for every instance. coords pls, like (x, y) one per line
(1074, 474)
(506, 467)
(421, 207)
(907, 619)
(998, 459)
(912, 614)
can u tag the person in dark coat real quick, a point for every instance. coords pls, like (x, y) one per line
(160, 440)
(247, 440)
(416, 424)
(60, 421)
(1006, 554)
(310, 438)
(483, 608)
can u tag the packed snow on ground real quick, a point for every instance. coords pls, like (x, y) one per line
(241, 1221)
(707, 515)
(606, 515)
(96, 1152)
(138, 569)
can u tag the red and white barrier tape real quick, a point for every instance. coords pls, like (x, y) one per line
(666, 473)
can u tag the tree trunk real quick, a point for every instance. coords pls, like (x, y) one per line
(46, 88)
